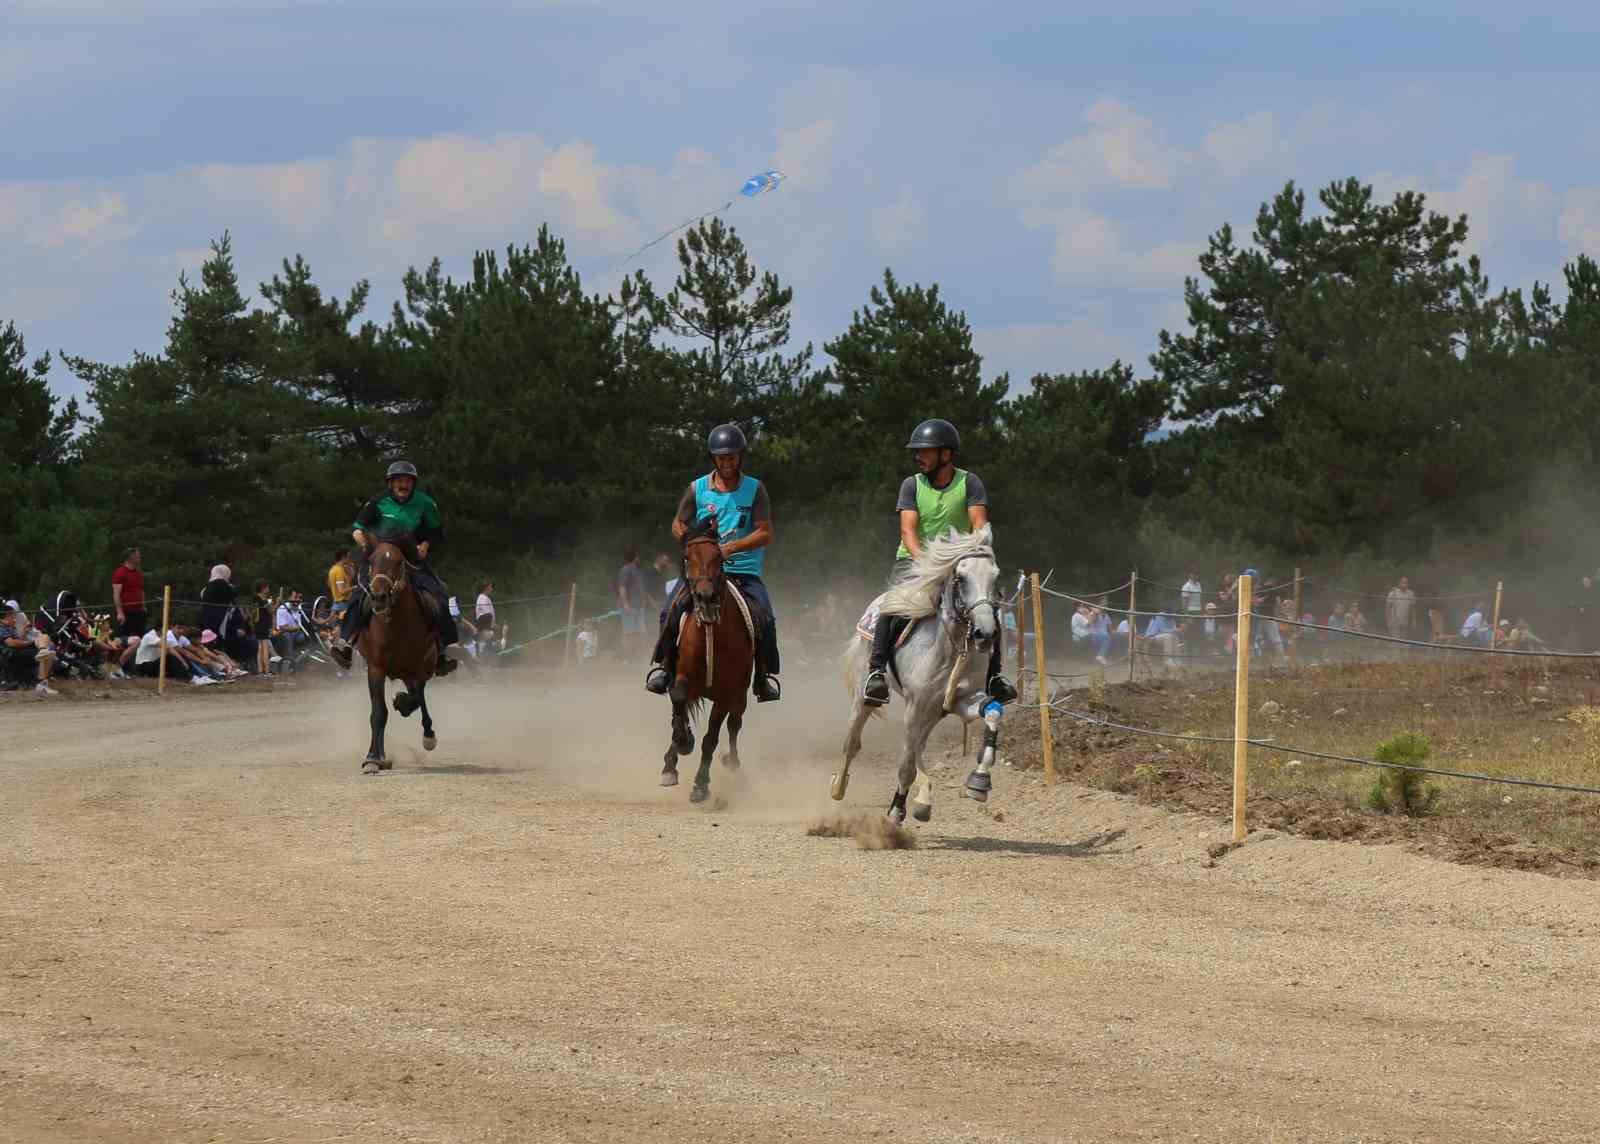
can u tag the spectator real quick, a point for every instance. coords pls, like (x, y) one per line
(588, 642)
(631, 599)
(1355, 620)
(293, 633)
(664, 572)
(1163, 632)
(25, 647)
(1586, 613)
(216, 598)
(1208, 627)
(1399, 607)
(147, 658)
(1099, 635)
(483, 609)
(1475, 629)
(1080, 622)
(260, 617)
(341, 582)
(127, 593)
(1192, 594)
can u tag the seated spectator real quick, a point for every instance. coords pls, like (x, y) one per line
(1521, 637)
(1080, 622)
(1208, 627)
(293, 631)
(1099, 635)
(25, 651)
(1475, 629)
(1355, 619)
(208, 648)
(1162, 631)
(148, 657)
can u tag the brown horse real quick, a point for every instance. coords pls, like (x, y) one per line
(397, 643)
(716, 655)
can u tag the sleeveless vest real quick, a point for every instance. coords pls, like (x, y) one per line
(735, 513)
(939, 510)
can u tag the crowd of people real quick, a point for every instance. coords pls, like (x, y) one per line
(236, 633)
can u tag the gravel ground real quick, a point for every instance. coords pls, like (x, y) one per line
(213, 928)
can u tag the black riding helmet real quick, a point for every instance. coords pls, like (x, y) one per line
(401, 469)
(935, 434)
(725, 439)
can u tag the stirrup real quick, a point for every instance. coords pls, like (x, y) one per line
(658, 681)
(875, 691)
(343, 654)
(767, 689)
(445, 665)
(1001, 691)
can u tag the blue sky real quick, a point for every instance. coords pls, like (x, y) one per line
(1054, 167)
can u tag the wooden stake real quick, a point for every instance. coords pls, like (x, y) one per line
(1494, 624)
(1241, 711)
(1133, 620)
(572, 615)
(166, 619)
(1044, 684)
(1295, 633)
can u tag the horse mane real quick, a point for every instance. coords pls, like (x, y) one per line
(704, 528)
(915, 593)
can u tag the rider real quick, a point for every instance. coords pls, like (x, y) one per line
(940, 497)
(404, 511)
(744, 514)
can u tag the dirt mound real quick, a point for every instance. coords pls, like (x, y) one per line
(871, 831)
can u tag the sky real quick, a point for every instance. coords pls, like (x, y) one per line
(1054, 167)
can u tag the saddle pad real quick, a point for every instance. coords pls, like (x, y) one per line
(867, 626)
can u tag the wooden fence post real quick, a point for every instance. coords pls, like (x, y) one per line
(166, 620)
(572, 615)
(1241, 711)
(1039, 668)
(1295, 633)
(1133, 620)
(1494, 624)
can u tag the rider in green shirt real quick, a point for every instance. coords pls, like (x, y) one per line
(937, 498)
(404, 513)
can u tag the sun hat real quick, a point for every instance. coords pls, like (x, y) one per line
(208, 636)
(221, 572)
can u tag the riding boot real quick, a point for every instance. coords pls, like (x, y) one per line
(1000, 689)
(766, 686)
(875, 690)
(343, 648)
(664, 661)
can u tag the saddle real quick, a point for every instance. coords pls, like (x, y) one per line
(754, 618)
(899, 626)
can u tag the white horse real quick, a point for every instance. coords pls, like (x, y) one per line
(950, 596)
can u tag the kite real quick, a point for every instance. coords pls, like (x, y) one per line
(755, 186)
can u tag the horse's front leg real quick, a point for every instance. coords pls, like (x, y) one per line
(682, 740)
(735, 722)
(708, 748)
(920, 722)
(429, 740)
(380, 718)
(978, 782)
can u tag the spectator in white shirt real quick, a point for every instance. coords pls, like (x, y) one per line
(483, 609)
(1192, 594)
(1398, 608)
(1476, 629)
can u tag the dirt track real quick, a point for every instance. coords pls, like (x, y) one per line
(213, 928)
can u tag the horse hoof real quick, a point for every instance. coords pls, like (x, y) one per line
(922, 811)
(669, 778)
(976, 795)
(730, 762)
(837, 787)
(979, 786)
(405, 705)
(429, 742)
(369, 767)
(699, 793)
(386, 764)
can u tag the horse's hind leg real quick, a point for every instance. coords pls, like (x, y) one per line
(380, 717)
(429, 741)
(708, 748)
(859, 714)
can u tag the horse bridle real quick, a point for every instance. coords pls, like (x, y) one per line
(394, 586)
(958, 602)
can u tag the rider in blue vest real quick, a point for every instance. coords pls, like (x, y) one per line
(744, 517)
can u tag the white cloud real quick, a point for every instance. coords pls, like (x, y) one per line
(1026, 349)
(805, 154)
(1093, 248)
(1244, 145)
(1579, 224)
(1501, 208)
(900, 225)
(1120, 149)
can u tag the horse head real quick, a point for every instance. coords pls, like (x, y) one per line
(702, 569)
(387, 576)
(972, 598)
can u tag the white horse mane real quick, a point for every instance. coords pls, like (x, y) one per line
(915, 593)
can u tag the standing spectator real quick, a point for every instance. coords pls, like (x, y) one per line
(1192, 594)
(127, 593)
(261, 617)
(1398, 608)
(663, 571)
(483, 609)
(631, 599)
(22, 647)
(216, 598)
(1080, 622)
(341, 582)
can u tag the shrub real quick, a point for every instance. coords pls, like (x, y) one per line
(1399, 791)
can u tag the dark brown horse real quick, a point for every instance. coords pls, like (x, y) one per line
(716, 655)
(397, 643)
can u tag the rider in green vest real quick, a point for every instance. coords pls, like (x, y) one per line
(406, 513)
(938, 498)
